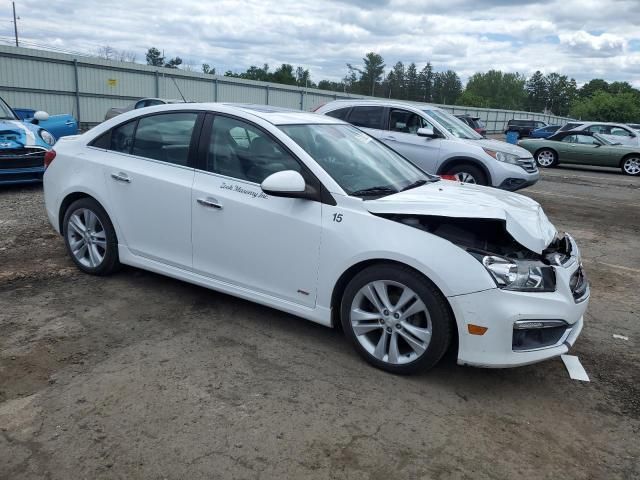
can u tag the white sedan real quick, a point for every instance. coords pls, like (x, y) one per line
(311, 216)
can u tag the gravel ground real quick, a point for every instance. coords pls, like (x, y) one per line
(141, 376)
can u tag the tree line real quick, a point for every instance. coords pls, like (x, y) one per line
(552, 93)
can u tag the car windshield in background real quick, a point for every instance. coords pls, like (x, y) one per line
(5, 111)
(606, 141)
(453, 125)
(361, 165)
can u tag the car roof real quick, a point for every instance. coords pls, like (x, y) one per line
(283, 116)
(381, 103)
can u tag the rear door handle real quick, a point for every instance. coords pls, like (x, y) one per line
(210, 202)
(121, 177)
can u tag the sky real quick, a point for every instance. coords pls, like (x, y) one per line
(583, 39)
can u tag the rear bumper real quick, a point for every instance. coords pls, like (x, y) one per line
(21, 175)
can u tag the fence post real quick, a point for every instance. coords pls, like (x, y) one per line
(301, 99)
(157, 74)
(215, 89)
(75, 73)
(266, 90)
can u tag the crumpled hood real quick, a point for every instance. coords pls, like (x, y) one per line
(524, 218)
(499, 146)
(18, 134)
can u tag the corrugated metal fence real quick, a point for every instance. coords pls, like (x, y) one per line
(88, 87)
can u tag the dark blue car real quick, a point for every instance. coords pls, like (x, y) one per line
(544, 132)
(25, 142)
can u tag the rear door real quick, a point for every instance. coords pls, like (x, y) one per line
(148, 169)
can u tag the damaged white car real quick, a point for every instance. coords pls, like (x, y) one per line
(311, 216)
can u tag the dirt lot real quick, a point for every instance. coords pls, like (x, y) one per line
(140, 376)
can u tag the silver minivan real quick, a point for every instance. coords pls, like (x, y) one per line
(438, 142)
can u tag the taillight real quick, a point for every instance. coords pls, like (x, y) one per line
(48, 157)
(449, 177)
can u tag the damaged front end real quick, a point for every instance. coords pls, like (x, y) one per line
(511, 265)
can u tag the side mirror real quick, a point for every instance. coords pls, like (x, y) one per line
(41, 116)
(287, 183)
(426, 132)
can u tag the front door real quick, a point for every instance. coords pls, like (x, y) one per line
(403, 138)
(242, 236)
(149, 178)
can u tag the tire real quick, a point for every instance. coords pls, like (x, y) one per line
(546, 158)
(420, 339)
(90, 237)
(631, 165)
(468, 173)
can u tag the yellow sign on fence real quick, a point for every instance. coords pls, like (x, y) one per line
(112, 82)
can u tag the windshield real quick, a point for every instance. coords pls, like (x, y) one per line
(5, 111)
(607, 141)
(453, 125)
(361, 165)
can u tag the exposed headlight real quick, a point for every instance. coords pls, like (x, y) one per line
(519, 275)
(502, 156)
(47, 137)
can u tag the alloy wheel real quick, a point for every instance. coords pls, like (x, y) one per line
(465, 177)
(391, 322)
(87, 238)
(631, 166)
(546, 158)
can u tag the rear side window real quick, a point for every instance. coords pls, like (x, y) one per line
(165, 137)
(121, 138)
(367, 117)
(341, 113)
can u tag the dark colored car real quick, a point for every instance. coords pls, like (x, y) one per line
(544, 132)
(524, 127)
(475, 123)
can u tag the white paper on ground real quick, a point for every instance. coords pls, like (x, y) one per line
(620, 337)
(575, 368)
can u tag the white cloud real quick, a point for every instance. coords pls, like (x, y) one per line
(524, 36)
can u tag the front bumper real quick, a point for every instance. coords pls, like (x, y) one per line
(498, 310)
(512, 177)
(21, 175)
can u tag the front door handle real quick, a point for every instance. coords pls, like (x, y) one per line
(391, 139)
(210, 202)
(121, 177)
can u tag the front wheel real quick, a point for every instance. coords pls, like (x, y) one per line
(631, 166)
(468, 174)
(90, 237)
(546, 158)
(396, 319)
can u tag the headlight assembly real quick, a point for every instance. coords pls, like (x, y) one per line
(47, 137)
(502, 156)
(519, 275)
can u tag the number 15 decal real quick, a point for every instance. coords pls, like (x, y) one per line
(337, 217)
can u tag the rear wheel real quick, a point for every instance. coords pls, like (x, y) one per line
(90, 237)
(396, 319)
(546, 158)
(631, 165)
(467, 173)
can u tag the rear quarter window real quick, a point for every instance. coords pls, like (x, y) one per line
(341, 113)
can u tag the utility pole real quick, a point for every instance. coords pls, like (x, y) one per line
(15, 22)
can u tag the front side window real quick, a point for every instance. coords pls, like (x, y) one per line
(165, 137)
(453, 125)
(5, 111)
(367, 117)
(240, 150)
(404, 121)
(361, 165)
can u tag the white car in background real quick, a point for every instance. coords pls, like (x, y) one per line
(309, 215)
(438, 142)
